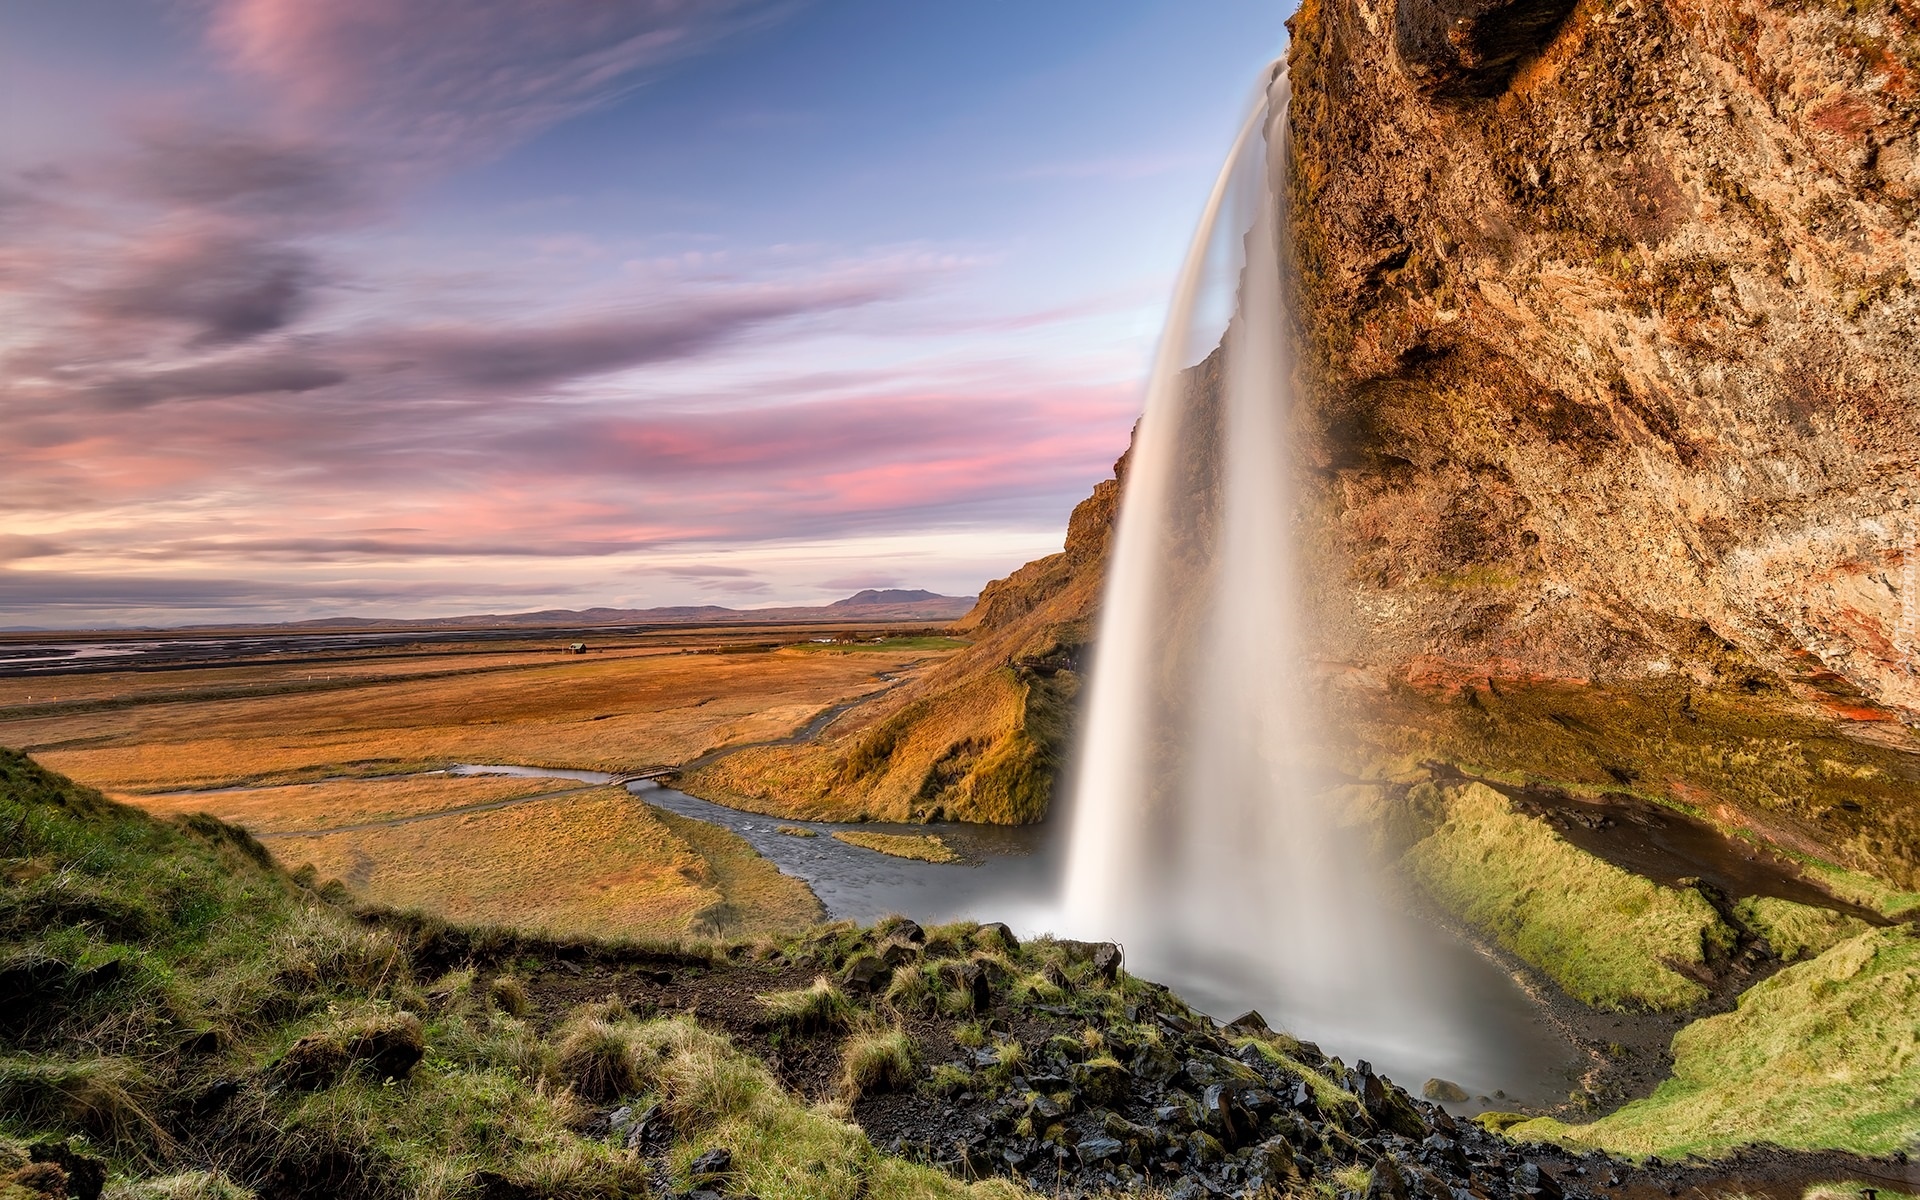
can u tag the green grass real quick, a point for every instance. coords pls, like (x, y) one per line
(1796, 931)
(923, 847)
(1864, 890)
(1604, 935)
(162, 956)
(1824, 1054)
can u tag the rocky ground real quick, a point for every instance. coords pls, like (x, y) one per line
(1048, 1064)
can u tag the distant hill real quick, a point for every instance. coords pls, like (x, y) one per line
(892, 604)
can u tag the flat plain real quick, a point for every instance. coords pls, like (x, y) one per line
(335, 761)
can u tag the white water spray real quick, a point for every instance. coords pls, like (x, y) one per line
(1201, 836)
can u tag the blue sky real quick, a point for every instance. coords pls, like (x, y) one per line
(477, 305)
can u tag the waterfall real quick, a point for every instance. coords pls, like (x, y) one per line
(1201, 835)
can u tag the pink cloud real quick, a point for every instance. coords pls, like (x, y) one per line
(457, 75)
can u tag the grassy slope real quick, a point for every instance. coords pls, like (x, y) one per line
(977, 738)
(1824, 1054)
(232, 970)
(1603, 934)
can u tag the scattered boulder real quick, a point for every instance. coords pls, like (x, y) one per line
(1102, 1080)
(1444, 1091)
(867, 973)
(1106, 961)
(1248, 1024)
(1000, 933)
(710, 1166)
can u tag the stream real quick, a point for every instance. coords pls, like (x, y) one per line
(1511, 1053)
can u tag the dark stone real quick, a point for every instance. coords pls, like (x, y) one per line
(715, 1162)
(1302, 1098)
(1249, 1023)
(645, 1125)
(1386, 1104)
(1388, 1182)
(1100, 1149)
(898, 953)
(1225, 1118)
(867, 973)
(1103, 1081)
(1007, 941)
(1106, 961)
(1458, 50)
(910, 931)
(86, 1175)
(1155, 1063)
(1529, 1179)
(1277, 1160)
(1446, 1150)
(1203, 1149)
(979, 989)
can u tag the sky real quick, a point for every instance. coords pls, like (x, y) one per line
(435, 307)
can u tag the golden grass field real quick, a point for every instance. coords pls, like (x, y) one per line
(610, 713)
(305, 745)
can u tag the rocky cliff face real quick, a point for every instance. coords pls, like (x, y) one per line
(1615, 396)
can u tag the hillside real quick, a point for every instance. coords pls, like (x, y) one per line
(979, 737)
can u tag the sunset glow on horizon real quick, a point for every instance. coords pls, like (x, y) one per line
(364, 308)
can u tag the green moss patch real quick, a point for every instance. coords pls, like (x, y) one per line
(1796, 931)
(1605, 935)
(1824, 1054)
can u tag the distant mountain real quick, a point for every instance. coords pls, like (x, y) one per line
(872, 597)
(892, 604)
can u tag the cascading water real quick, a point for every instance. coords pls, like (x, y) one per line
(1201, 835)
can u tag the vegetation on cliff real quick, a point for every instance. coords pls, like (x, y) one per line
(1609, 938)
(1826, 1053)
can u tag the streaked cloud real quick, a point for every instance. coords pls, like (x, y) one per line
(460, 76)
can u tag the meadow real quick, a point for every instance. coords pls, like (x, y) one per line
(334, 763)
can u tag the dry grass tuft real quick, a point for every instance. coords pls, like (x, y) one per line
(876, 1061)
(509, 995)
(922, 847)
(599, 1059)
(816, 1009)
